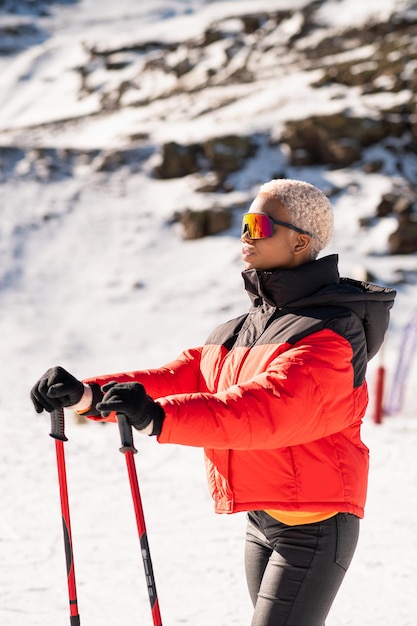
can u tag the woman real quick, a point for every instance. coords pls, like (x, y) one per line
(276, 398)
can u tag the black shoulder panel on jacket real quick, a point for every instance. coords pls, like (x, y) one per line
(227, 333)
(279, 327)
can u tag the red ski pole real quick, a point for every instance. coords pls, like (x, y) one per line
(58, 433)
(129, 450)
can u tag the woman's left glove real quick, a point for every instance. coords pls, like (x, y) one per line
(56, 389)
(131, 399)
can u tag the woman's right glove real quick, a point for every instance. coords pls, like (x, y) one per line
(131, 400)
(56, 389)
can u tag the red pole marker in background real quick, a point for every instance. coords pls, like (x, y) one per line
(58, 433)
(129, 450)
(379, 389)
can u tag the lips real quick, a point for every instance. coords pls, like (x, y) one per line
(247, 251)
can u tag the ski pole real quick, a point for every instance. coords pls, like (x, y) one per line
(128, 449)
(58, 433)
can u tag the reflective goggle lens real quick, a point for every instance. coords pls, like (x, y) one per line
(261, 226)
(257, 225)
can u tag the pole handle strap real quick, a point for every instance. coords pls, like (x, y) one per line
(126, 435)
(58, 425)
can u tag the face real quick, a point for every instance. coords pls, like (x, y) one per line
(284, 250)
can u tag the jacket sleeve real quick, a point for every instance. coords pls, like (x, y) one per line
(305, 393)
(178, 377)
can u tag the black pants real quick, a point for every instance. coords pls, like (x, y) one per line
(294, 572)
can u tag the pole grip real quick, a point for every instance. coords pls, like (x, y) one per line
(126, 435)
(58, 425)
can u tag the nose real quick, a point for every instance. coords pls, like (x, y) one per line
(245, 235)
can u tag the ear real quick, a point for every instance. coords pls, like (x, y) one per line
(301, 244)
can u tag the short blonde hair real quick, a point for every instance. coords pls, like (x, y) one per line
(307, 207)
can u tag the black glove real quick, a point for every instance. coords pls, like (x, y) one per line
(132, 400)
(55, 389)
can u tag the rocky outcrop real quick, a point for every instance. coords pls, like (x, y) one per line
(338, 139)
(205, 222)
(404, 239)
(219, 154)
(191, 78)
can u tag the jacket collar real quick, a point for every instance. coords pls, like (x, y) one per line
(283, 287)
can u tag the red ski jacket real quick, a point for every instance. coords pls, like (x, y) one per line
(276, 397)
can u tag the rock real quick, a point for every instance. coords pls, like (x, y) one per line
(209, 183)
(220, 154)
(336, 139)
(197, 224)
(401, 199)
(404, 239)
(228, 153)
(177, 160)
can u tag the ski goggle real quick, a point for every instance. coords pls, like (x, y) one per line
(261, 226)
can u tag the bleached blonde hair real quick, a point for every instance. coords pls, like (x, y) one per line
(307, 207)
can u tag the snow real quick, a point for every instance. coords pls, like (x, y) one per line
(357, 12)
(94, 277)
